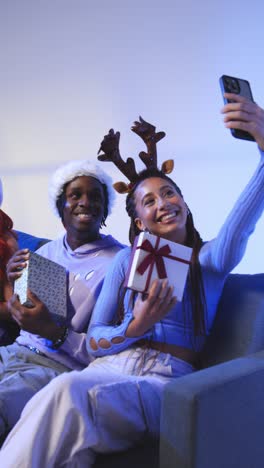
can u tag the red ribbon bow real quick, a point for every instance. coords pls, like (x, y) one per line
(155, 256)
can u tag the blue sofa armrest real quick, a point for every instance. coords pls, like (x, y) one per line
(214, 418)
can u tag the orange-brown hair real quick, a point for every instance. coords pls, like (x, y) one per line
(6, 225)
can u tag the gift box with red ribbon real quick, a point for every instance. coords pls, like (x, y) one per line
(154, 257)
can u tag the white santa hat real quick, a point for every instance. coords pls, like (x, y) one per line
(1, 192)
(76, 168)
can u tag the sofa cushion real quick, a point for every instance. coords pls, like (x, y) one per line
(238, 328)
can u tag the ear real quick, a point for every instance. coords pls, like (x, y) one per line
(139, 224)
(167, 166)
(121, 187)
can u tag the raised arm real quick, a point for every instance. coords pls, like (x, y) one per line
(225, 251)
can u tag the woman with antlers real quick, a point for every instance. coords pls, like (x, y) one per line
(115, 402)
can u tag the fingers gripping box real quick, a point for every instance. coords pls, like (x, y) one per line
(49, 281)
(154, 257)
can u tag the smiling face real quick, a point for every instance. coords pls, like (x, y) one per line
(160, 209)
(83, 210)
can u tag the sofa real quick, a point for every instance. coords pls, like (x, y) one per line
(213, 418)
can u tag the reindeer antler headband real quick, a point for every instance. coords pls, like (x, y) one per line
(110, 147)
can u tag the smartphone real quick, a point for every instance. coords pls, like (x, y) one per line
(231, 84)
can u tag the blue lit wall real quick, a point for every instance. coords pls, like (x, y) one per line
(72, 69)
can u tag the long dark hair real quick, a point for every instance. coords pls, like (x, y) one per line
(194, 240)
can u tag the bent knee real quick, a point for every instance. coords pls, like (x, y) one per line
(64, 382)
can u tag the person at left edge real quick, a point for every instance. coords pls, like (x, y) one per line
(82, 195)
(9, 329)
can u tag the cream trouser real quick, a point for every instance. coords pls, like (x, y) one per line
(22, 374)
(107, 407)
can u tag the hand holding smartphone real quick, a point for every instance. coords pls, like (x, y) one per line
(230, 84)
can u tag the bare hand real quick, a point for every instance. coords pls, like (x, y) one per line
(16, 264)
(151, 310)
(243, 114)
(35, 319)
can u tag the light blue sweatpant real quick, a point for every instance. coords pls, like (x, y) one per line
(22, 374)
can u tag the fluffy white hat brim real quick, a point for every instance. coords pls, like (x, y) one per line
(76, 168)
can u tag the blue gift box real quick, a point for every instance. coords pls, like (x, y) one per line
(49, 281)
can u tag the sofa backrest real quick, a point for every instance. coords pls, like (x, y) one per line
(238, 328)
(27, 241)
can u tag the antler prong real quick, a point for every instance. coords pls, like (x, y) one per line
(110, 147)
(148, 134)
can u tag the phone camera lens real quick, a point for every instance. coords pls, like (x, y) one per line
(232, 85)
